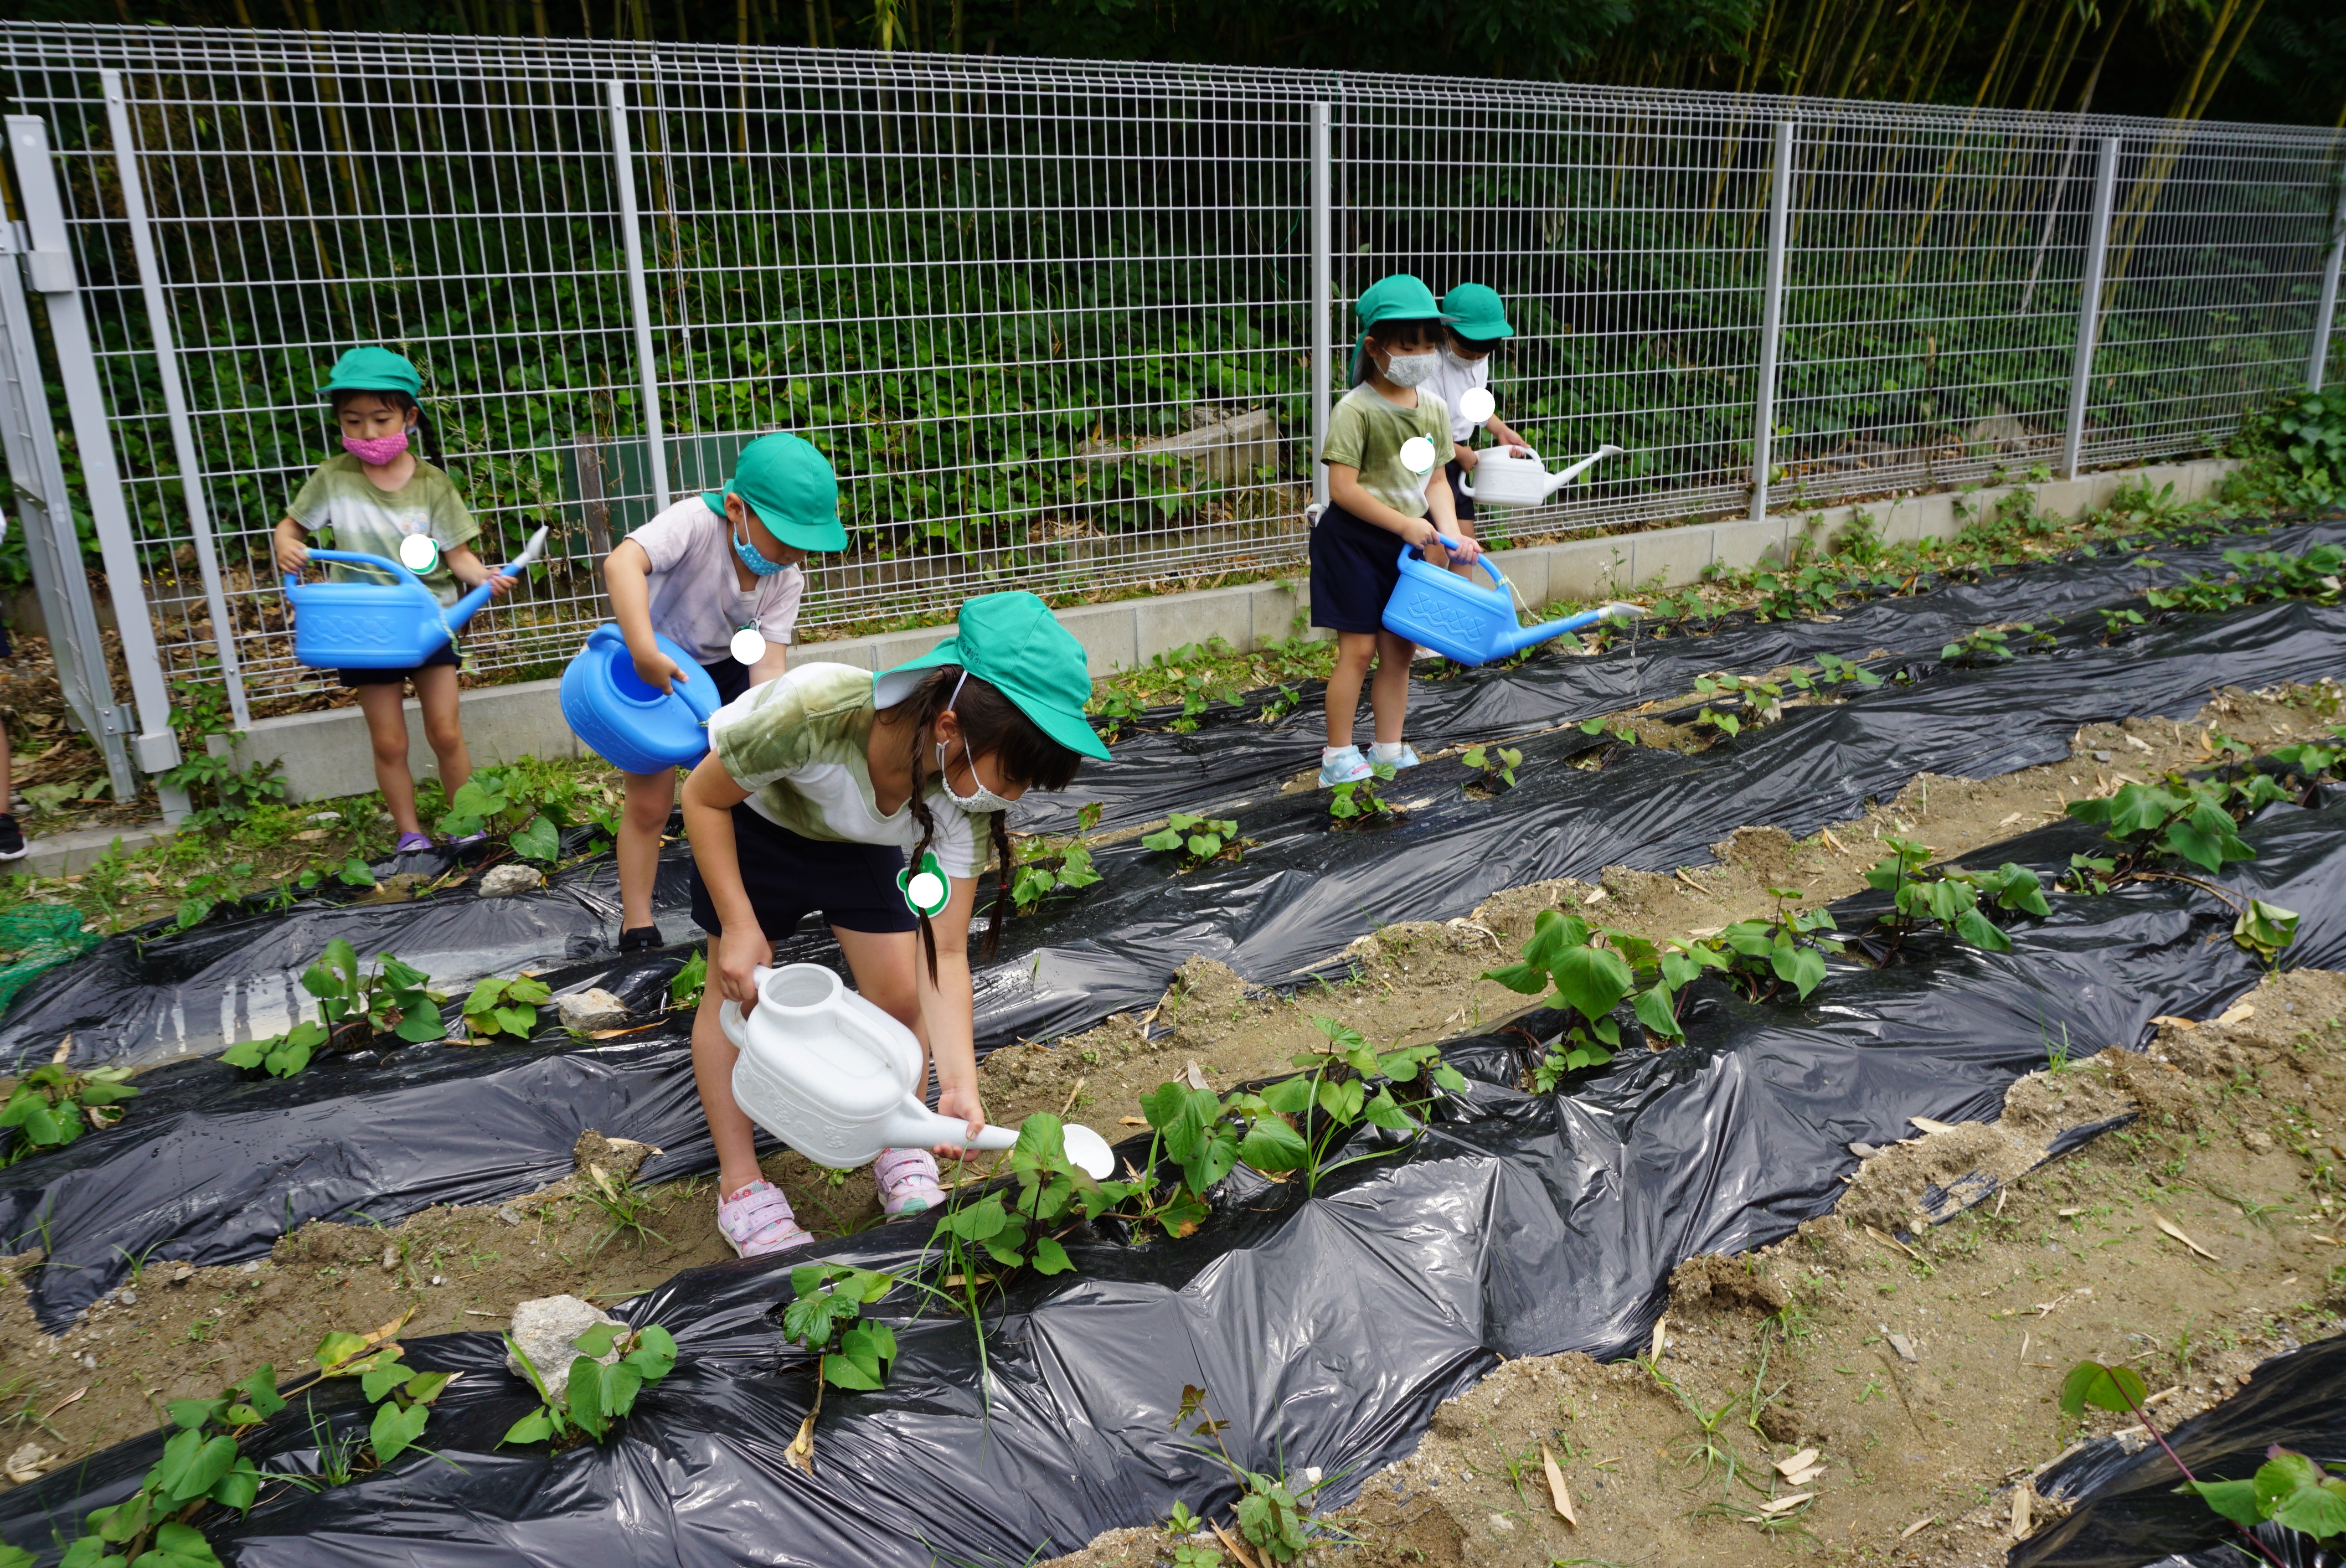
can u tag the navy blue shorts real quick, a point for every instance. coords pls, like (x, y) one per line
(788, 878)
(355, 678)
(730, 677)
(1458, 497)
(1355, 567)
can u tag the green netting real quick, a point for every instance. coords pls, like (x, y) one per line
(37, 939)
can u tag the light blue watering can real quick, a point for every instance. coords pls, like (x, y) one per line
(1438, 609)
(380, 626)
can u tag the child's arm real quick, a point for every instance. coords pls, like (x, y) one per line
(292, 554)
(627, 572)
(709, 795)
(472, 574)
(1442, 510)
(1507, 437)
(945, 1008)
(771, 663)
(1345, 489)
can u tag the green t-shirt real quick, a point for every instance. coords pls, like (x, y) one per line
(798, 745)
(341, 497)
(1366, 432)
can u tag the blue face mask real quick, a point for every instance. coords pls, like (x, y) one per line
(754, 561)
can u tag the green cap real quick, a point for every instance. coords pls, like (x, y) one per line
(375, 370)
(1012, 643)
(1476, 313)
(791, 488)
(1400, 298)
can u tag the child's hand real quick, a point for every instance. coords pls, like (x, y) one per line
(291, 555)
(1467, 553)
(655, 669)
(742, 950)
(500, 584)
(962, 1105)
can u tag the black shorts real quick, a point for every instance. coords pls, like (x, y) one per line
(1354, 568)
(1458, 497)
(788, 878)
(443, 653)
(730, 676)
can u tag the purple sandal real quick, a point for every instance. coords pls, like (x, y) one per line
(411, 843)
(758, 1220)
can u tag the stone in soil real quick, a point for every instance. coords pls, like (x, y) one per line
(590, 1010)
(500, 881)
(543, 1329)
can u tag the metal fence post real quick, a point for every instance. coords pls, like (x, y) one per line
(2089, 306)
(1771, 318)
(2318, 359)
(174, 397)
(45, 517)
(51, 269)
(623, 158)
(1323, 290)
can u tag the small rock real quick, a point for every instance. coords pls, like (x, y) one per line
(439, 1279)
(180, 1274)
(254, 1266)
(323, 817)
(1862, 1151)
(542, 1329)
(129, 1298)
(389, 1256)
(621, 1158)
(591, 1010)
(1503, 1524)
(505, 881)
(2257, 1142)
(28, 1463)
(508, 1215)
(2101, 757)
(1904, 1347)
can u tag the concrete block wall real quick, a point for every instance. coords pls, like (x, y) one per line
(328, 754)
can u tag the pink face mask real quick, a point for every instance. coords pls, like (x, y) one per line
(375, 451)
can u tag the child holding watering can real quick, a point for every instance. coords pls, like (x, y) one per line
(1476, 322)
(815, 785)
(379, 497)
(1385, 489)
(717, 574)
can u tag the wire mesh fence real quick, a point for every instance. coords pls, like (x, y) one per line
(1053, 322)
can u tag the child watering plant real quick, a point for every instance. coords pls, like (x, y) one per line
(383, 499)
(1475, 324)
(719, 575)
(1385, 489)
(815, 785)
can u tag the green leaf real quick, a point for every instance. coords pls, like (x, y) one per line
(655, 1353)
(395, 1430)
(1652, 1010)
(185, 1541)
(198, 1475)
(90, 1552)
(191, 1414)
(2235, 1499)
(1050, 1257)
(539, 841)
(621, 1383)
(419, 1025)
(584, 1398)
(1168, 840)
(536, 1427)
(246, 1055)
(597, 1340)
(385, 1374)
(1271, 1145)
(260, 1390)
(1592, 980)
(1529, 979)
(1979, 931)
(239, 1488)
(2115, 1388)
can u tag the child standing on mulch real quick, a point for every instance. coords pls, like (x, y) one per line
(717, 574)
(815, 785)
(373, 497)
(1476, 324)
(1385, 490)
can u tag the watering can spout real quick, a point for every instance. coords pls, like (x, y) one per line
(1526, 637)
(463, 609)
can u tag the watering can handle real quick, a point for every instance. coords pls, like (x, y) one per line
(1498, 578)
(356, 558)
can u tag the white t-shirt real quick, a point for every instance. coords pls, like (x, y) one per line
(798, 744)
(1451, 383)
(697, 599)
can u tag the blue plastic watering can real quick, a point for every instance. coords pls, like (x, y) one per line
(633, 727)
(380, 626)
(1437, 609)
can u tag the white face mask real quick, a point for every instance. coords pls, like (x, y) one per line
(1411, 370)
(1461, 360)
(981, 799)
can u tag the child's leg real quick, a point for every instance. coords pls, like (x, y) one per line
(385, 707)
(713, 1056)
(7, 803)
(1389, 693)
(650, 797)
(436, 693)
(1353, 651)
(884, 966)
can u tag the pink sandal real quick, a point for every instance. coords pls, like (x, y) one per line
(758, 1220)
(908, 1182)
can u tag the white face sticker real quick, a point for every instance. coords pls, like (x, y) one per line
(1477, 405)
(926, 892)
(418, 554)
(749, 646)
(1417, 455)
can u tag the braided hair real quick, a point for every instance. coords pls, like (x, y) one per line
(990, 725)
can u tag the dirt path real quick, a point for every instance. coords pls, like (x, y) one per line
(181, 1332)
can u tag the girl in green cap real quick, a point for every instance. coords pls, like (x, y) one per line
(719, 575)
(816, 784)
(1477, 324)
(378, 496)
(1385, 489)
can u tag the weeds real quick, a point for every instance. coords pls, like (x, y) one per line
(1270, 1514)
(623, 1204)
(684, 991)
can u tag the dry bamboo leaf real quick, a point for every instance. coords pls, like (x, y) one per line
(1928, 1125)
(2170, 1018)
(2021, 1496)
(1787, 1502)
(2239, 1013)
(2171, 1229)
(1911, 1529)
(1788, 1468)
(801, 1449)
(1556, 1494)
(1661, 1337)
(1245, 1559)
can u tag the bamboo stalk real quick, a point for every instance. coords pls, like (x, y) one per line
(1927, 86)
(2184, 98)
(1857, 53)
(2200, 110)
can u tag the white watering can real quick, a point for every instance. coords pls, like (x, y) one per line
(839, 1080)
(1499, 478)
